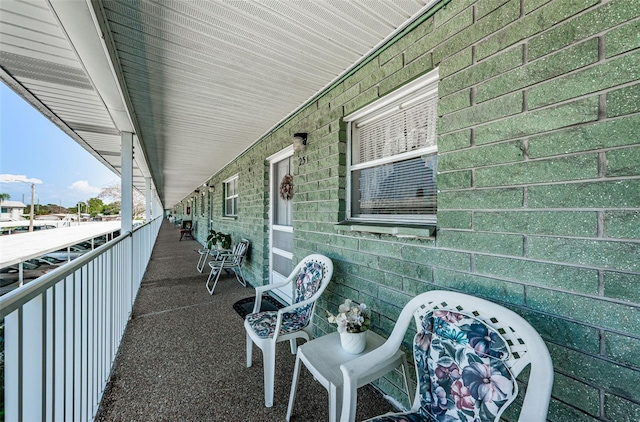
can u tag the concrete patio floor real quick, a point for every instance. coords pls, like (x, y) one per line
(182, 357)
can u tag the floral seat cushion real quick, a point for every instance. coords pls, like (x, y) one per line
(461, 369)
(307, 284)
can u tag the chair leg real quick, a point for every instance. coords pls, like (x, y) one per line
(240, 276)
(269, 363)
(294, 346)
(217, 273)
(249, 351)
(202, 261)
(294, 387)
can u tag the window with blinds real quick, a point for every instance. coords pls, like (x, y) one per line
(231, 197)
(393, 156)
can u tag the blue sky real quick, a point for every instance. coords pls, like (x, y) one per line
(32, 147)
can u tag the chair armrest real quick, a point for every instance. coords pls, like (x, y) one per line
(260, 290)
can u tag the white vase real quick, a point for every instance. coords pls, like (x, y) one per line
(353, 342)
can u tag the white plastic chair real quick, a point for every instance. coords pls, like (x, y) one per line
(228, 261)
(441, 318)
(309, 279)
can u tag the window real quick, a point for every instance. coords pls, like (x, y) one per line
(392, 160)
(231, 197)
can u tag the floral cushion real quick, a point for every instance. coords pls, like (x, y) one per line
(264, 323)
(461, 369)
(307, 284)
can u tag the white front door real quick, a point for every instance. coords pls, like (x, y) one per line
(281, 224)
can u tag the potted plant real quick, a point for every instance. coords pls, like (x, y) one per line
(224, 240)
(212, 239)
(353, 321)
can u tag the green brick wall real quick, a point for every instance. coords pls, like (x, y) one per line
(539, 186)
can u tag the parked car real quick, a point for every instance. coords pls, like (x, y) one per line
(73, 253)
(47, 260)
(30, 271)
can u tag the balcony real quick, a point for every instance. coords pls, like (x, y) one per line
(93, 345)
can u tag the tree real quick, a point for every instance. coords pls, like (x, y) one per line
(114, 193)
(96, 206)
(4, 197)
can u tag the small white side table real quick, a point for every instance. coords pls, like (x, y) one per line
(323, 357)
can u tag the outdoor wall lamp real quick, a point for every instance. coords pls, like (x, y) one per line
(211, 189)
(299, 141)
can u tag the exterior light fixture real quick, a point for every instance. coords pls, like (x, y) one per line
(299, 141)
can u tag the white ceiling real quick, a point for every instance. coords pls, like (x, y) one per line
(197, 81)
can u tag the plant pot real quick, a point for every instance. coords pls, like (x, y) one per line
(353, 342)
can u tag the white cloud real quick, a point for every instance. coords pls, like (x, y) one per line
(14, 178)
(82, 186)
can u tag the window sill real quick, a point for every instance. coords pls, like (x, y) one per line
(229, 218)
(393, 229)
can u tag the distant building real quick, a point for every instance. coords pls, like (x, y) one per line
(12, 211)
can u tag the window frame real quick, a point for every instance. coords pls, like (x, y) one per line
(234, 198)
(412, 93)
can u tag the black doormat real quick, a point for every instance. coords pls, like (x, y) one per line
(245, 306)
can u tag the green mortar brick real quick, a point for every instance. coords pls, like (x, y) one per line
(622, 349)
(390, 280)
(379, 248)
(484, 7)
(481, 199)
(560, 411)
(403, 42)
(454, 180)
(454, 102)
(368, 68)
(576, 112)
(559, 223)
(328, 96)
(437, 257)
(614, 72)
(574, 279)
(595, 371)
(623, 101)
(362, 100)
(592, 311)
(483, 28)
(550, 170)
(488, 288)
(503, 244)
(583, 396)
(602, 134)
(388, 69)
(531, 5)
(546, 68)
(411, 71)
(507, 105)
(622, 286)
(483, 156)
(451, 10)
(451, 27)
(623, 39)
(454, 219)
(583, 26)
(415, 287)
(533, 23)
(563, 332)
(613, 194)
(399, 268)
(614, 255)
(456, 62)
(500, 63)
(619, 409)
(454, 141)
(624, 162)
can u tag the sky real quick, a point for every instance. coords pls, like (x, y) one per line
(35, 150)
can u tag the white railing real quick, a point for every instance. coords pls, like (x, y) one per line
(62, 330)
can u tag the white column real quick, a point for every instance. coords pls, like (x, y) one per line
(126, 181)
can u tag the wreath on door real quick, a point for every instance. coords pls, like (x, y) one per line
(286, 187)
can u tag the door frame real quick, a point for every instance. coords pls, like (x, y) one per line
(273, 159)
